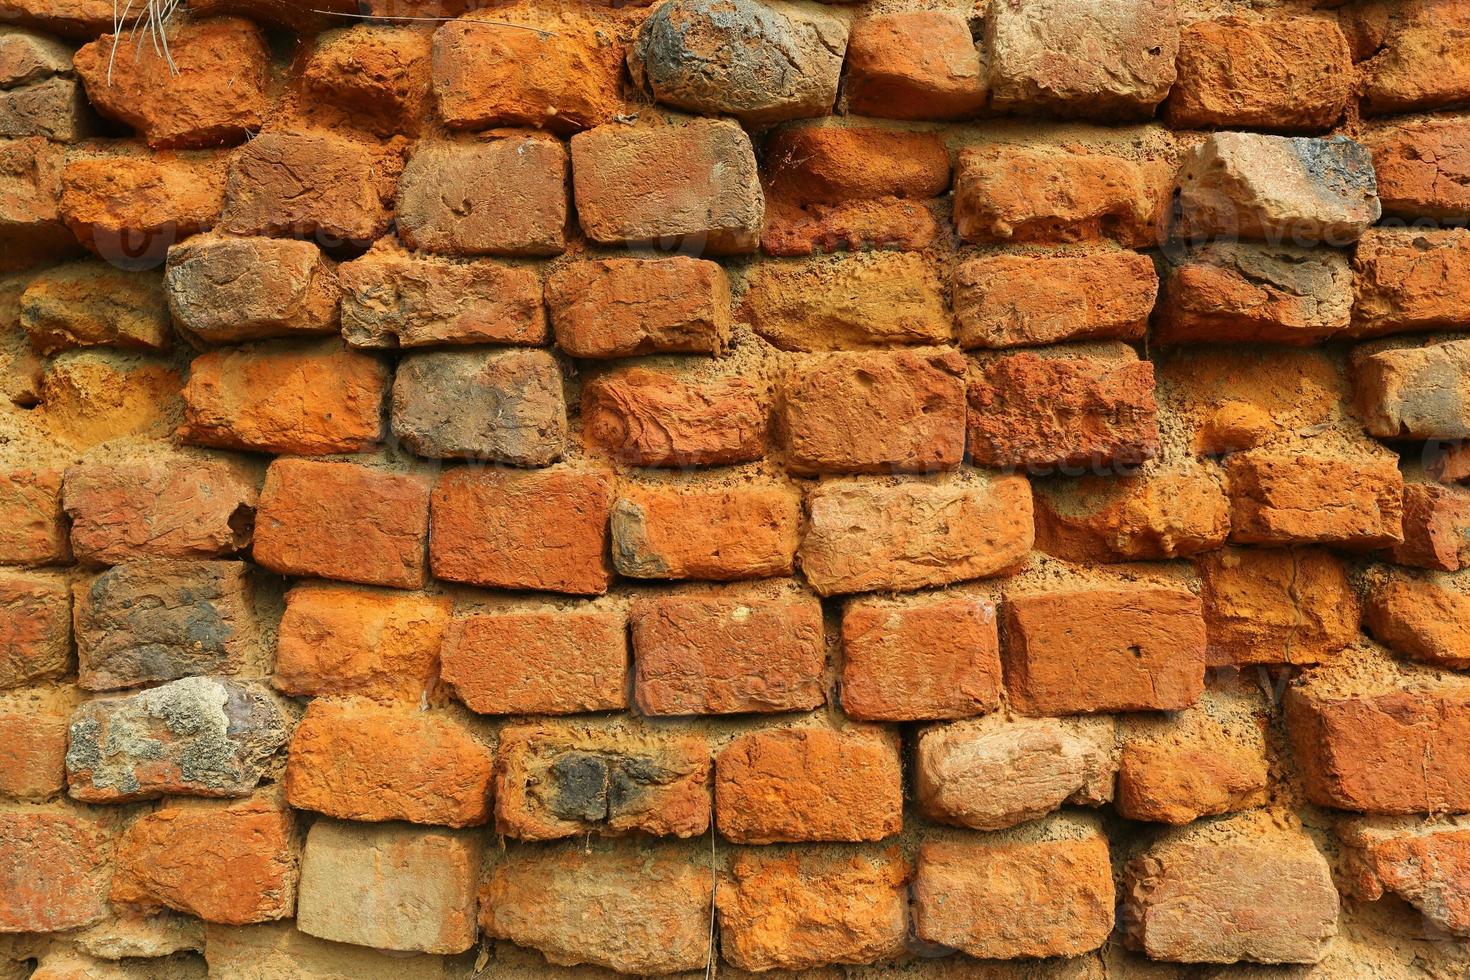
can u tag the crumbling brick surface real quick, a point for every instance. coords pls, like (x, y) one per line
(827, 489)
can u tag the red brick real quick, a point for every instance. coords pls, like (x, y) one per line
(728, 653)
(875, 413)
(301, 401)
(656, 418)
(545, 530)
(1408, 279)
(378, 521)
(607, 308)
(1012, 194)
(504, 195)
(1423, 169)
(32, 524)
(490, 74)
(1031, 300)
(33, 729)
(169, 508)
(1125, 647)
(1421, 618)
(567, 780)
(1436, 528)
(1152, 515)
(720, 533)
(360, 760)
(1276, 605)
(694, 183)
(71, 18)
(809, 784)
(1063, 413)
(1427, 864)
(54, 869)
(228, 862)
(133, 208)
(35, 627)
(920, 64)
(920, 658)
(210, 88)
(1286, 74)
(1285, 499)
(538, 661)
(794, 229)
(810, 908)
(822, 164)
(336, 639)
(378, 75)
(1045, 890)
(868, 536)
(311, 184)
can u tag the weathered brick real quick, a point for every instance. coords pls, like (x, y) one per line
(230, 862)
(336, 639)
(1122, 72)
(1123, 647)
(311, 184)
(1424, 863)
(227, 289)
(502, 405)
(759, 63)
(655, 418)
(728, 653)
(280, 951)
(91, 304)
(875, 413)
(1243, 292)
(545, 660)
(500, 196)
(1448, 462)
(159, 620)
(919, 658)
(1041, 413)
(199, 736)
(639, 910)
(379, 74)
(1279, 189)
(995, 772)
(394, 299)
(389, 886)
(27, 55)
(1415, 392)
(867, 535)
(54, 869)
(1014, 194)
(565, 780)
(32, 524)
(532, 530)
(1165, 513)
(33, 726)
(1286, 499)
(209, 88)
(286, 398)
(1436, 528)
(809, 784)
(873, 300)
(72, 18)
(489, 74)
(814, 163)
(920, 64)
(1423, 169)
(716, 532)
(380, 523)
(1292, 74)
(1276, 605)
(1042, 890)
(793, 229)
(798, 909)
(1416, 64)
(131, 209)
(1237, 889)
(94, 397)
(693, 186)
(1031, 300)
(35, 627)
(53, 107)
(30, 216)
(168, 508)
(1421, 618)
(1408, 279)
(359, 760)
(605, 308)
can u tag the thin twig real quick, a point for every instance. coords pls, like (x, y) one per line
(434, 20)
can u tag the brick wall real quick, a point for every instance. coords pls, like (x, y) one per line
(876, 490)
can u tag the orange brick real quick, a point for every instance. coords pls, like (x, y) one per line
(1284, 499)
(1205, 760)
(1425, 863)
(378, 75)
(359, 760)
(1436, 528)
(287, 399)
(728, 653)
(225, 288)
(546, 661)
(1423, 169)
(724, 534)
(32, 524)
(133, 208)
(336, 639)
(875, 413)
(794, 229)
(32, 748)
(1421, 619)
(1108, 648)
(920, 658)
(1411, 68)
(1276, 605)
(54, 869)
(655, 418)
(545, 530)
(229, 862)
(378, 523)
(809, 784)
(820, 164)
(920, 64)
(1152, 515)
(1411, 279)
(619, 307)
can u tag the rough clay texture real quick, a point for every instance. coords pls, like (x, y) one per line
(819, 489)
